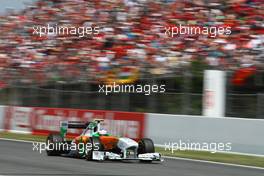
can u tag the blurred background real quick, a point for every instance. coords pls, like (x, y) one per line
(65, 71)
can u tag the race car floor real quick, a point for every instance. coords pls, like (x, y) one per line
(18, 158)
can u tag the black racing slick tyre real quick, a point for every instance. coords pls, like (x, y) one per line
(52, 144)
(146, 145)
(96, 145)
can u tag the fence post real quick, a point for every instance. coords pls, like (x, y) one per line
(228, 99)
(260, 106)
(187, 76)
(55, 94)
(152, 99)
(15, 100)
(125, 101)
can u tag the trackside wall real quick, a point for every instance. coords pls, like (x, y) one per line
(246, 135)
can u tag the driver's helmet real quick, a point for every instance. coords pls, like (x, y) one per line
(102, 132)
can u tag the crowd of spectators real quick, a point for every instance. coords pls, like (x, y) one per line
(131, 36)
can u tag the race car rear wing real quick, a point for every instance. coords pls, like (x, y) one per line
(64, 125)
(77, 124)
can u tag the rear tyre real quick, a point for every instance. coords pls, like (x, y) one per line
(52, 143)
(96, 146)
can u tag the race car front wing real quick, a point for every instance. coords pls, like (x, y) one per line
(101, 155)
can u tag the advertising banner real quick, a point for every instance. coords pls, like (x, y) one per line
(2, 108)
(17, 119)
(214, 93)
(40, 120)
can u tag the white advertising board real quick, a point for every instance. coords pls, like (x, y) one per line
(214, 93)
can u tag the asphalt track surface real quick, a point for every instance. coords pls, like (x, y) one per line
(18, 158)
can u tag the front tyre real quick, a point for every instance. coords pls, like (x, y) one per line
(146, 145)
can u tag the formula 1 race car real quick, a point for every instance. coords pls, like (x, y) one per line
(96, 144)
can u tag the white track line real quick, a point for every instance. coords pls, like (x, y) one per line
(169, 157)
(17, 140)
(223, 152)
(213, 162)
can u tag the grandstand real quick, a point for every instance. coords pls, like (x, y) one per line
(132, 47)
